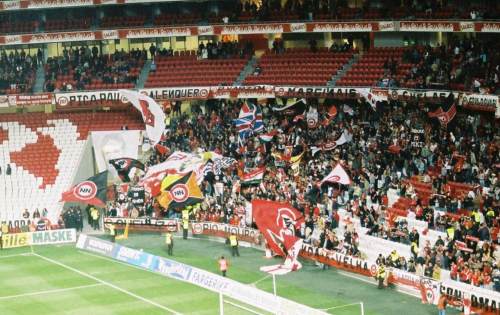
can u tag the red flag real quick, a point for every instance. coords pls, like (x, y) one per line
(91, 191)
(161, 149)
(444, 117)
(277, 222)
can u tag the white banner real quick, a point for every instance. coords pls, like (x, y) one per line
(110, 145)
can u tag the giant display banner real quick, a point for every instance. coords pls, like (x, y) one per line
(166, 224)
(483, 301)
(39, 238)
(479, 102)
(170, 268)
(338, 260)
(224, 230)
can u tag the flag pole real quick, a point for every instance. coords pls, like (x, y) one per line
(221, 304)
(274, 284)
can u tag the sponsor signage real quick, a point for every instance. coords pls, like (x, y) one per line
(39, 238)
(224, 230)
(134, 257)
(342, 27)
(250, 29)
(483, 300)
(85, 98)
(173, 269)
(269, 28)
(202, 278)
(168, 224)
(338, 260)
(15, 240)
(32, 99)
(178, 93)
(427, 26)
(96, 245)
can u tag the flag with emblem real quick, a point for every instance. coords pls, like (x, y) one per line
(91, 191)
(444, 117)
(152, 114)
(179, 191)
(372, 98)
(337, 175)
(126, 167)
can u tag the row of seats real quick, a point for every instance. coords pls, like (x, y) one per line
(44, 151)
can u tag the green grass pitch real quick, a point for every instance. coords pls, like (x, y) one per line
(54, 280)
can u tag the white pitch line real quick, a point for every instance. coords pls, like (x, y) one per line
(107, 283)
(261, 279)
(15, 255)
(374, 283)
(340, 306)
(49, 291)
(243, 307)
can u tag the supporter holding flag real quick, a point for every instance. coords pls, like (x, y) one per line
(152, 114)
(126, 167)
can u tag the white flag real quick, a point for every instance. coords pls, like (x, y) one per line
(371, 98)
(337, 175)
(152, 114)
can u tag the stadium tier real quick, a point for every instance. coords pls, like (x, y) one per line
(42, 152)
(264, 142)
(298, 67)
(187, 69)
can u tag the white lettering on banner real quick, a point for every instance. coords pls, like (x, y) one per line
(252, 29)
(205, 30)
(298, 27)
(487, 102)
(125, 253)
(37, 4)
(198, 228)
(54, 237)
(82, 98)
(174, 269)
(484, 299)
(339, 259)
(386, 26)
(159, 32)
(110, 34)
(13, 39)
(208, 280)
(467, 27)
(342, 27)
(178, 93)
(426, 27)
(99, 246)
(61, 37)
(10, 5)
(492, 27)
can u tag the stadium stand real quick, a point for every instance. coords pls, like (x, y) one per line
(85, 69)
(17, 72)
(299, 66)
(377, 67)
(43, 152)
(187, 69)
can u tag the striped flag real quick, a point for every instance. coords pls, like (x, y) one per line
(267, 137)
(253, 177)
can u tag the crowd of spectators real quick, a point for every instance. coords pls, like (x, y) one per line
(464, 64)
(17, 71)
(224, 49)
(80, 67)
(242, 11)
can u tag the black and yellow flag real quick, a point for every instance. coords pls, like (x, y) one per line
(179, 191)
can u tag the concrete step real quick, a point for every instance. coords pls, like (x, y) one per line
(39, 79)
(143, 76)
(247, 70)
